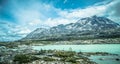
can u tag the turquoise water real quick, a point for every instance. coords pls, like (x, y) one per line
(108, 59)
(110, 48)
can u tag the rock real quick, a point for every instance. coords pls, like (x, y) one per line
(117, 59)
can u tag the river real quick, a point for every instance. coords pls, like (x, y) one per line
(110, 48)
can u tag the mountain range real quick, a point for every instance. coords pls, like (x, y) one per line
(85, 28)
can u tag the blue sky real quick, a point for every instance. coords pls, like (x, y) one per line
(27, 15)
(71, 4)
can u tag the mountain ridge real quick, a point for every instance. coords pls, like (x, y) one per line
(89, 27)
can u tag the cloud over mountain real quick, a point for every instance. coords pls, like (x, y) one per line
(33, 14)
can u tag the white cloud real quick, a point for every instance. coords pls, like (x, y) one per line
(113, 10)
(72, 16)
(25, 16)
(24, 32)
(35, 22)
(56, 21)
(10, 31)
(42, 14)
(87, 12)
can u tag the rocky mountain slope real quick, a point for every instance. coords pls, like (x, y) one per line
(86, 28)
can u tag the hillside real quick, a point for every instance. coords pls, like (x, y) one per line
(89, 28)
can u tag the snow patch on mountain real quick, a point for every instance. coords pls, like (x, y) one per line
(93, 23)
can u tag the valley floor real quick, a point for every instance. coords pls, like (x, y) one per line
(74, 42)
(24, 54)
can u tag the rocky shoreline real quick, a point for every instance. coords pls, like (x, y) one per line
(26, 55)
(91, 41)
(73, 42)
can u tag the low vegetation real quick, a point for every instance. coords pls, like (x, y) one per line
(24, 58)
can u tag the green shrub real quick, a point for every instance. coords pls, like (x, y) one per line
(64, 54)
(70, 59)
(24, 58)
(48, 59)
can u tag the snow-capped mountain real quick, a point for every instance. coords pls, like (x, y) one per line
(83, 25)
(93, 23)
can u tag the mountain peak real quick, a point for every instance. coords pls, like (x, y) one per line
(98, 22)
(94, 16)
(93, 23)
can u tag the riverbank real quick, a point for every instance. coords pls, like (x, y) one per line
(59, 54)
(27, 55)
(73, 42)
(58, 57)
